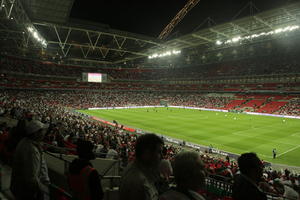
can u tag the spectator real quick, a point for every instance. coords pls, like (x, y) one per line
(98, 149)
(189, 175)
(112, 153)
(245, 185)
(285, 191)
(83, 179)
(139, 180)
(29, 178)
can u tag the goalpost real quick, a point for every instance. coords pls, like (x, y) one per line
(164, 102)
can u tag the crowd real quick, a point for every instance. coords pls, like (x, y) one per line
(66, 128)
(291, 108)
(85, 99)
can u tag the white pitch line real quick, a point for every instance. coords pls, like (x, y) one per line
(248, 136)
(292, 149)
(297, 134)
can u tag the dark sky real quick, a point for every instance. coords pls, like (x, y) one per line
(149, 17)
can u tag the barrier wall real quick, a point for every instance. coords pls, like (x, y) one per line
(58, 168)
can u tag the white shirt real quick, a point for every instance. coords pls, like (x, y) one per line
(112, 154)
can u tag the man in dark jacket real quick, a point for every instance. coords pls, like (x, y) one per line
(245, 185)
(84, 180)
(140, 179)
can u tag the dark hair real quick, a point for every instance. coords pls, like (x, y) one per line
(147, 142)
(85, 150)
(248, 161)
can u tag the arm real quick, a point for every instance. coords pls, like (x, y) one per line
(32, 169)
(95, 186)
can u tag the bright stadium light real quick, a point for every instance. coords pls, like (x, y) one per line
(164, 54)
(35, 34)
(257, 35)
(218, 42)
(236, 39)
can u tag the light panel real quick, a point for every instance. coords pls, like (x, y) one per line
(164, 54)
(257, 35)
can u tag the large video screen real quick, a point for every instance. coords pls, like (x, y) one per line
(95, 77)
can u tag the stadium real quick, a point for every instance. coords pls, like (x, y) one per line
(217, 88)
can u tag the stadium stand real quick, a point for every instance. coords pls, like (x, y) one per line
(263, 80)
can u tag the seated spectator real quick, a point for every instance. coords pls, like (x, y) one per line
(29, 178)
(189, 175)
(140, 178)
(83, 179)
(165, 169)
(246, 183)
(285, 191)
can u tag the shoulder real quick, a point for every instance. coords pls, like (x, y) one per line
(94, 173)
(77, 165)
(133, 174)
(26, 146)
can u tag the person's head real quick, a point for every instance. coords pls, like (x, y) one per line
(36, 130)
(251, 166)
(189, 170)
(85, 150)
(148, 149)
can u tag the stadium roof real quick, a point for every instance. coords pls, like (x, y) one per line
(81, 42)
(262, 22)
(56, 11)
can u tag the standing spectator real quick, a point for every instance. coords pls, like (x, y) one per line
(112, 153)
(139, 180)
(83, 179)
(103, 151)
(189, 175)
(245, 185)
(30, 178)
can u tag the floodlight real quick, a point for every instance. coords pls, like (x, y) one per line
(218, 42)
(37, 36)
(236, 39)
(257, 35)
(163, 54)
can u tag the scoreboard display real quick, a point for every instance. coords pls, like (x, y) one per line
(94, 77)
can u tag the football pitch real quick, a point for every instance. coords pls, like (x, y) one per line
(232, 132)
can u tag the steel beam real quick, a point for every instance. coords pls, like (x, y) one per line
(202, 37)
(262, 21)
(185, 42)
(88, 46)
(240, 28)
(291, 15)
(97, 32)
(218, 32)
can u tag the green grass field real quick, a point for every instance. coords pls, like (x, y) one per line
(236, 133)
